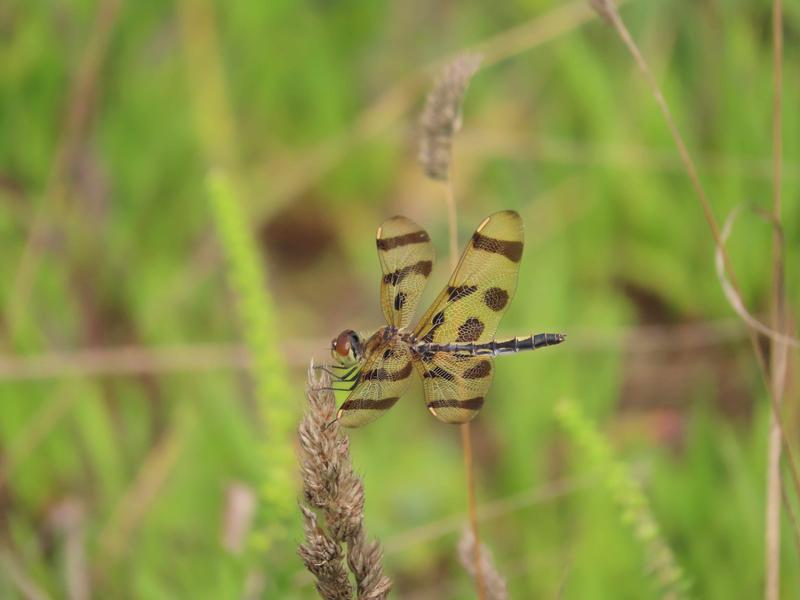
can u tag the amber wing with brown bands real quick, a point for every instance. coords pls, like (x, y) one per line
(455, 386)
(469, 309)
(383, 378)
(406, 256)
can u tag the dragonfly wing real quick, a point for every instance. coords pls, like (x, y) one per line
(406, 256)
(383, 378)
(455, 385)
(469, 309)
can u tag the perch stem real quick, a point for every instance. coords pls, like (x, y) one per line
(466, 439)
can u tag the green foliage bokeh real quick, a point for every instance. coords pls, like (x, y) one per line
(133, 252)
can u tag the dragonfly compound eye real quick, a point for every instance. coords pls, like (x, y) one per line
(341, 347)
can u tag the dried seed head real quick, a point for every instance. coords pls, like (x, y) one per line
(494, 584)
(323, 557)
(331, 486)
(441, 119)
(362, 558)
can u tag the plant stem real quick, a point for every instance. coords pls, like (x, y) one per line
(466, 439)
(452, 225)
(612, 15)
(778, 349)
(466, 443)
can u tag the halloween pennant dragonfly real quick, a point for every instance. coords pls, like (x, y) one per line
(452, 347)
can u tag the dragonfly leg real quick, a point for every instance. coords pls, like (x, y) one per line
(351, 375)
(324, 369)
(336, 376)
(345, 367)
(336, 389)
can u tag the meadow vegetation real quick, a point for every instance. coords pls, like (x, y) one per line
(188, 197)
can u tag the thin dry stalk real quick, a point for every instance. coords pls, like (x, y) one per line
(441, 120)
(472, 503)
(331, 487)
(793, 517)
(608, 11)
(778, 350)
(129, 360)
(68, 520)
(452, 225)
(466, 434)
(494, 584)
(198, 358)
(732, 294)
(779, 372)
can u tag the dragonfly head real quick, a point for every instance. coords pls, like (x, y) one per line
(347, 347)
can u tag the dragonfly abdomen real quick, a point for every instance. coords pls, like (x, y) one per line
(495, 347)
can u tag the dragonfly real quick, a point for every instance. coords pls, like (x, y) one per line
(452, 347)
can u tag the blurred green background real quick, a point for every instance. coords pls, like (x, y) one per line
(132, 452)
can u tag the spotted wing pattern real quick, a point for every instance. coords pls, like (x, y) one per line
(383, 378)
(406, 256)
(455, 385)
(469, 309)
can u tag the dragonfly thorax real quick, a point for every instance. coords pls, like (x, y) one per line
(380, 338)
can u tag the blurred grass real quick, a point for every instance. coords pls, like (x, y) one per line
(665, 574)
(566, 134)
(261, 331)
